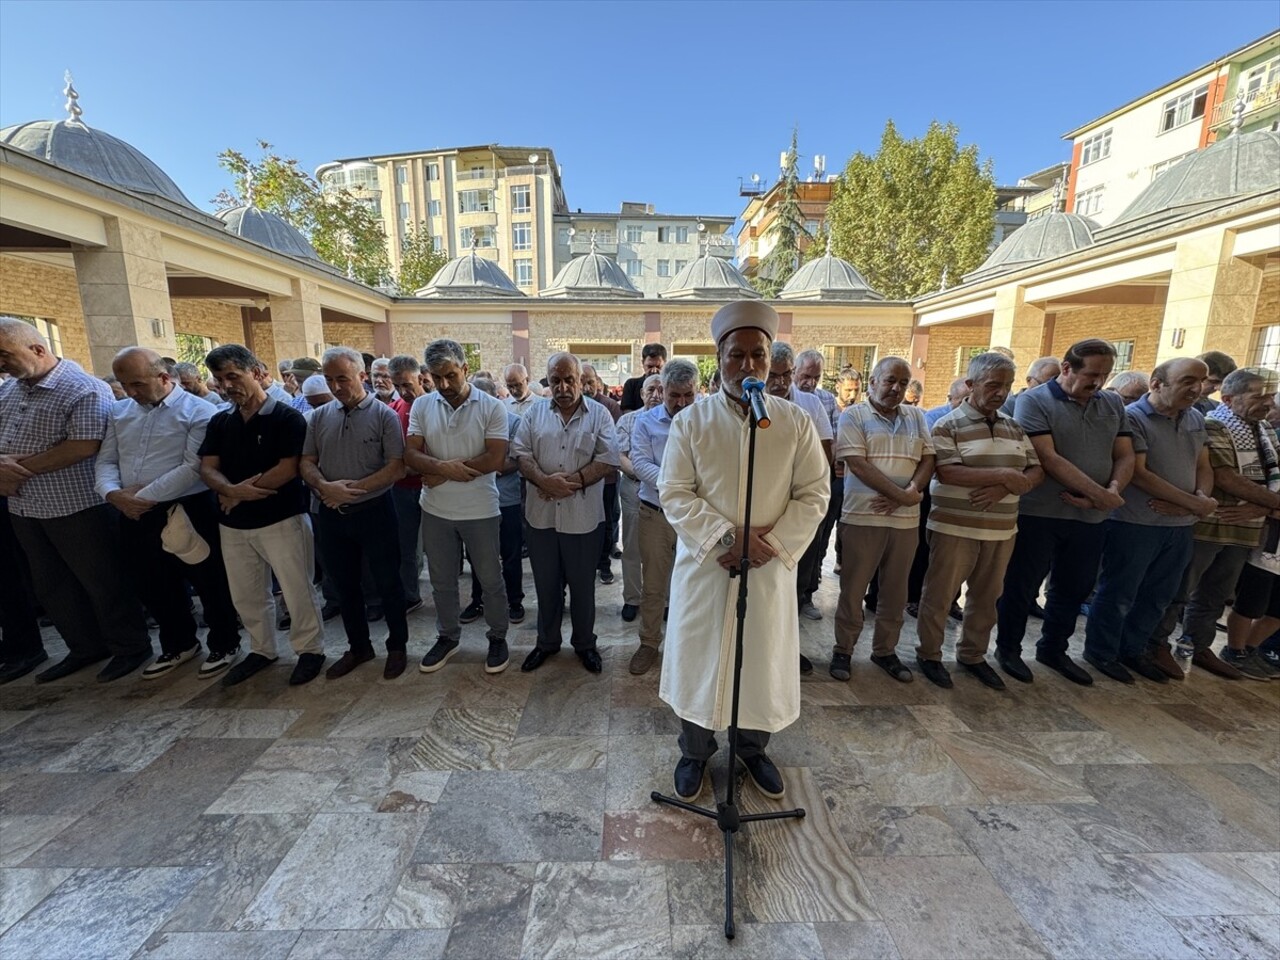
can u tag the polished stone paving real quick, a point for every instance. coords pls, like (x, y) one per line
(473, 816)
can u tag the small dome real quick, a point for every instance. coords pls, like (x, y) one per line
(1239, 165)
(593, 276)
(710, 278)
(267, 229)
(94, 154)
(828, 278)
(1046, 237)
(470, 276)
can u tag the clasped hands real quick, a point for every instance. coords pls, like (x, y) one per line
(234, 494)
(1108, 499)
(557, 486)
(127, 501)
(1012, 481)
(908, 496)
(759, 552)
(12, 475)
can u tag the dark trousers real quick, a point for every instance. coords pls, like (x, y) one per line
(409, 524)
(919, 563)
(558, 559)
(510, 547)
(809, 569)
(1142, 569)
(346, 540)
(79, 577)
(19, 623)
(612, 513)
(1208, 585)
(823, 539)
(161, 579)
(1068, 551)
(699, 743)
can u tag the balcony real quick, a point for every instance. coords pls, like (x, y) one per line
(478, 218)
(1258, 100)
(721, 246)
(606, 243)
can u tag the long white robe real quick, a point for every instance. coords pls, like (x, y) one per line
(703, 494)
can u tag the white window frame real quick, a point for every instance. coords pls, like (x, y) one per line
(1089, 203)
(522, 192)
(635, 268)
(481, 206)
(664, 266)
(1163, 165)
(680, 265)
(433, 172)
(664, 234)
(402, 173)
(486, 233)
(523, 268)
(433, 208)
(1180, 110)
(437, 242)
(681, 234)
(633, 234)
(1095, 148)
(49, 330)
(1124, 355)
(403, 209)
(519, 242)
(1262, 75)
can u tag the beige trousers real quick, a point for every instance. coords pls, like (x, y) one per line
(629, 497)
(657, 557)
(952, 561)
(866, 550)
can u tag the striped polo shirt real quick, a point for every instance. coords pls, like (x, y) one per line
(964, 437)
(894, 446)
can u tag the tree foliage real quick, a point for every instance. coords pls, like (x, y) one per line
(419, 260)
(785, 231)
(914, 209)
(345, 231)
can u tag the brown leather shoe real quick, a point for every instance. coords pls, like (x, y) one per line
(1206, 659)
(397, 660)
(1165, 663)
(348, 662)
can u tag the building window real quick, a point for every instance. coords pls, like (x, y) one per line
(860, 357)
(521, 199)
(49, 330)
(664, 234)
(437, 242)
(433, 208)
(964, 354)
(477, 171)
(192, 348)
(635, 234)
(664, 267)
(1164, 165)
(404, 211)
(634, 267)
(1266, 346)
(475, 201)
(1185, 108)
(681, 234)
(433, 172)
(1262, 76)
(1124, 355)
(681, 264)
(1089, 202)
(1097, 147)
(402, 173)
(522, 236)
(483, 237)
(524, 272)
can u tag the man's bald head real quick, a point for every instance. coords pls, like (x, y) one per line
(1043, 370)
(143, 374)
(24, 352)
(137, 359)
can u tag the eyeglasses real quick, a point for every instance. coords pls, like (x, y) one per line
(781, 374)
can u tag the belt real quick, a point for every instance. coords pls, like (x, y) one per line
(347, 509)
(651, 506)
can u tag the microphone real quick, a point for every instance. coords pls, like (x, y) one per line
(753, 394)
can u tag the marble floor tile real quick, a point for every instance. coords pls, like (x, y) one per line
(275, 791)
(937, 718)
(1069, 747)
(662, 833)
(569, 703)
(1241, 793)
(1150, 731)
(795, 941)
(377, 714)
(11, 718)
(114, 910)
(466, 739)
(429, 897)
(254, 724)
(493, 913)
(1263, 867)
(21, 835)
(340, 874)
(492, 817)
(1007, 768)
(129, 745)
(557, 753)
(602, 909)
(635, 768)
(1232, 938)
(30, 756)
(369, 944)
(868, 940)
(54, 794)
(476, 690)
(21, 890)
(254, 945)
(947, 907)
(1195, 884)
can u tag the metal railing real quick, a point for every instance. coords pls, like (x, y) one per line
(1262, 97)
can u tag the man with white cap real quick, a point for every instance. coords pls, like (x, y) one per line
(702, 488)
(315, 390)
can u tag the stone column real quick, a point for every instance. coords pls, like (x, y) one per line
(124, 292)
(1017, 325)
(296, 329)
(1213, 298)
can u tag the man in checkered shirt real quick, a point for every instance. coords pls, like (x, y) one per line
(53, 417)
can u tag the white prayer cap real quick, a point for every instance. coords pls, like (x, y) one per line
(314, 386)
(744, 314)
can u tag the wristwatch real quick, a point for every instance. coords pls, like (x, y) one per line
(728, 540)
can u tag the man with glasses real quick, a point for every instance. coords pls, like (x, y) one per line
(1040, 371)
(519, 397)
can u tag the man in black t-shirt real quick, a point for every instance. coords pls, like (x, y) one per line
(652, 357)
(250, 458)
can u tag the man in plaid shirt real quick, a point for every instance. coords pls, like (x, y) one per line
(53, 417)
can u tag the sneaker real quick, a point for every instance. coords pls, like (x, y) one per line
(439, 655)
(765, 776)
(841, 666)
(472, 613)
(913, 609)
(246, 668)
(306, 669)
(1271, 657)
(413, 607)
(215, 663)
(615, 553)
(629, 612)
(643, 659)
(894, 667)
(806, 665)
(1247, 662)
(606, 575)
(515, 613)
(498, 657)
(168, 661)
(809, 611)
(1258, 657)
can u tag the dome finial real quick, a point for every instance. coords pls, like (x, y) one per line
(475, 243)
(1237, 113)
(942, 284)
(828, 243)
(1059, 195)
(72, 106)
(593, 241)
(248, 187)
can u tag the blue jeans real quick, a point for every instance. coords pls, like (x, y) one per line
(1067, 551)
(1142, 567)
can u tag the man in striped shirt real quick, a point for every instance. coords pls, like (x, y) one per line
(985, 463)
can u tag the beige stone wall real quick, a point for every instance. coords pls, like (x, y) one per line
(691, 327)
(358, 336)
(208, 318)
(551, 331)
(264, 346)
(889, 341)
(32, 289)
(494, 340)
(1268, 309)
(1140, 324)
(945, 344)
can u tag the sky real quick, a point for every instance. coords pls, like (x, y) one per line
(662, 103)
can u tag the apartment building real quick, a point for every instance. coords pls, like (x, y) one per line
(1115, 156)
(502, 200)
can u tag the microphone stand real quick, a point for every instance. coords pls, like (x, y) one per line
(726, 814)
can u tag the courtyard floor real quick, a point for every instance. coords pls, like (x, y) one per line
(466, 816)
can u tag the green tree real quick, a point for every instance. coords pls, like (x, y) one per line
(914, 209)
(345, 230)
(419, 260)
(785, 231)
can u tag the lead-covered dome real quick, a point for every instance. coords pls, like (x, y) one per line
(828, 278)
(267, 229)
(592, 276)
(710, 278)
(470, 276)
(1046, 237)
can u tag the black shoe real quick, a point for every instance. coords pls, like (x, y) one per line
(1036, 610)
(955, 613)
(665, 613)
(439, 654)
(246, 668)
(515, 613)
(806, 665)
(499, 656)
(1108, 668)
(893, 667)
(841, 666)
(629, 612)
(982, 670)
(122, 666)
(373, 613)
(615, 553)
(1145, 667)
(1067, 667)
(870, 604)
(20, 668)
(591, 660)
(913, 609)
(413, 607)
(606, 575)
(284, 621)
(472, 613)
(1014, 666)
(329, 611)
(343, 665)
(66, 666)
(536, 658)
(306, 669)
(765, 776)
(690, 777)
(935, 672)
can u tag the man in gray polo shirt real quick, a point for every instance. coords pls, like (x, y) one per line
(353, 453)
(458, 442)
(1149, 539)
(1082, 437)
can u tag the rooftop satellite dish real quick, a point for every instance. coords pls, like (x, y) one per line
(533, 158)
(573, 232)
(755, 178)
(702, 227)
